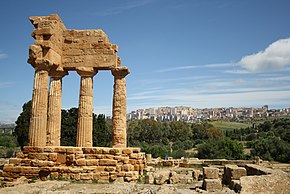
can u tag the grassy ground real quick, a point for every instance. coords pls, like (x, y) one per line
(227, 125)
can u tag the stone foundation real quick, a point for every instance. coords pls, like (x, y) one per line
(100, 164)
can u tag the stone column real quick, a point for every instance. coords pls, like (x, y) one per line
(119, 123)
(54, 108)
(85, 114)
(38, 119)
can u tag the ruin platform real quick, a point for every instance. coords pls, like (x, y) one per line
(101, 164)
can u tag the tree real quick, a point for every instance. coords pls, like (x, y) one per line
(221, 149)
(69, 121)
(271, 148)
(214, 133)
(22, 124)
(102, 133)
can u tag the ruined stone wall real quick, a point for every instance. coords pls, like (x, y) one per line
(91, 163)
(88, 48)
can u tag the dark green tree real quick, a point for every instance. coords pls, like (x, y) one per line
(221, 149)
(102, 133)
(22, 124)
(69, 121)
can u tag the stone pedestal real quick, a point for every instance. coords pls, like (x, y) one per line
(54, 108)
(38, 120)
(85, 114)
(119, 108)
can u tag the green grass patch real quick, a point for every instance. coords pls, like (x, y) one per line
(227, 125)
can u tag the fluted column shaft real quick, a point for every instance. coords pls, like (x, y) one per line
(54, 109)
(119, 123)
(38, 119)
(85, 114)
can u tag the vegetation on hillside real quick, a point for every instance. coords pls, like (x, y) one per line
(268, 140)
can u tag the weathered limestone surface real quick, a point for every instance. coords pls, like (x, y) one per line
(85, 115)
(57, 50)
(210, 173)
(78, 163)
(119, 108)
(54, 108)
(276, 182)
(38, 120)
(89, 48)
(233, 172)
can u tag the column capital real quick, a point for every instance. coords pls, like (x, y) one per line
(120, 71)
(57, 73)
(86, 71)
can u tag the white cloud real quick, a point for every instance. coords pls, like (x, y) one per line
(275, 57)
(215, 65)
(3, 55)
(6, 84)
(125, 7)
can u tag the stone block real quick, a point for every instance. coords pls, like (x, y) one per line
(100, 168)
(75, 169)
(74, 150)
(110, 169)
(89, 150)
(70, 158)
(38, 156)
(52, 157)
(92, 162)
(25, 162)
(106, 150)
(61, 158)
(127, 151)
(30, 170)
(233, 172)
(12, 168)
(115, 151)
(48, 149)
(212, 185)
(96, 175)
(132, 161)
(20, 155)
(15, 161)
(98, 150)
(135, 156)
(86, 176)
(80, 162)
(107, 162)
(32, 149)
(91, 156)
(124, 160)
(60, 149)
(210, 173)
(108, 156)
(127, 167)
(75, 176)
(80, 156)
(121, 174)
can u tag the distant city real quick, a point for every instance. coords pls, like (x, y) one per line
(191, 115)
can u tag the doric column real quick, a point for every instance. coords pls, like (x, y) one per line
(38, 119)
(119, 123)
(54, 108)
(85, 114)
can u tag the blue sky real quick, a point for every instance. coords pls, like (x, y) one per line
(199, 53)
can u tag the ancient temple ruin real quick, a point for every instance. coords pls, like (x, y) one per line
(56, 51)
